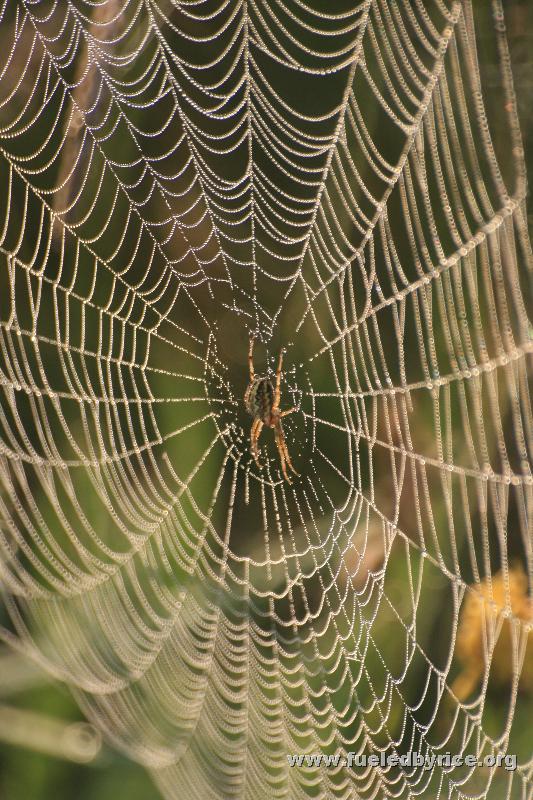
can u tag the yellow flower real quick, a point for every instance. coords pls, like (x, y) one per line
(481, 610)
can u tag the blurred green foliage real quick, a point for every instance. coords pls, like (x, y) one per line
(30, 775)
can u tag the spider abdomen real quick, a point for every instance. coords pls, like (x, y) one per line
(259, 399)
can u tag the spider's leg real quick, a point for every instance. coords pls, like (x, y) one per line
(251, 360)
(277, 392)
(279, 444)
(288, 411)
(287, 456)
(282, 444)
(255, 433)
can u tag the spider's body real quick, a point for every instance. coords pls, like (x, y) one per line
(262, 401)
(259, 400)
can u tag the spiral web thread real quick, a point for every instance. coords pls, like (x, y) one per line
(344, 181)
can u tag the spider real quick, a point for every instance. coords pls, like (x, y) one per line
(262, 402)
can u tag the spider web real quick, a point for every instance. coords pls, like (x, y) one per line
(343, 181)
